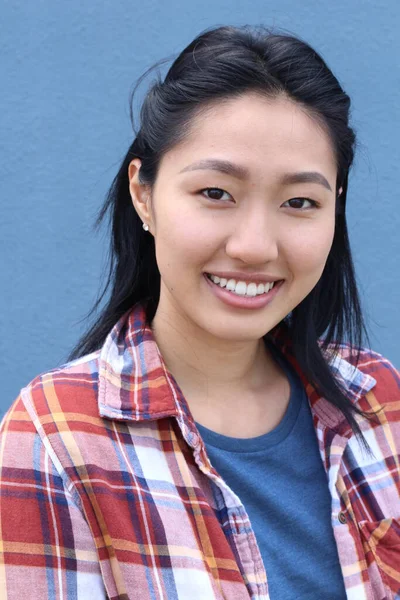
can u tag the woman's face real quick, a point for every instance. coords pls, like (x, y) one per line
(267, 216)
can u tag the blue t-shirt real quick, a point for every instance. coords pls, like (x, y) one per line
(290, 505)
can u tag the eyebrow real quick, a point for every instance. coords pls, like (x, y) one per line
(240, 172)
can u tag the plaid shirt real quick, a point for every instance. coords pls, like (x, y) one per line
(107, 490)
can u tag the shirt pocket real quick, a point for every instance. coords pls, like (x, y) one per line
(381, 541)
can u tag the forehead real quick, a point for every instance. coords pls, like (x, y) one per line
(266, 135)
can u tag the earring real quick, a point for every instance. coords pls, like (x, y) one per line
(145, 226)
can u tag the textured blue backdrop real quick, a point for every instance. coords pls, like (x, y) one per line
(67, 69)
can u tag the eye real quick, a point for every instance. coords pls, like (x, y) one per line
(215, 193)
(301, 203)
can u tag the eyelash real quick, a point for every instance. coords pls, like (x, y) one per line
(314, 204)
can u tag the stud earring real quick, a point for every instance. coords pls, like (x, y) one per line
(145, 226)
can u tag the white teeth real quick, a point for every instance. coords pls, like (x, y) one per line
(260, 288)
(241, 288)
(251, 289)
(269, 286)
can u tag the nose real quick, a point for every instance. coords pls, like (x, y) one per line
(254, 240)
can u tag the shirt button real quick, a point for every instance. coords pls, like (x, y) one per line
(342, 518)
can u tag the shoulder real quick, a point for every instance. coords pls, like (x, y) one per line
(37, 480)
(69, 388)
(367, 360)
(375, 365)
(381, 380)
(52, 397)
(55, 414)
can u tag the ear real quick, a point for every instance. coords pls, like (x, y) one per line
(140, 193)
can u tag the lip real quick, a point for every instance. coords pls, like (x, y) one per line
(247, 302)
(246, 277)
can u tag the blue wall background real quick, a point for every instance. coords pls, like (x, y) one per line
(67, 69)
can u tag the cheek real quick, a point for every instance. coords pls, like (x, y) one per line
(307, 249)
(185, 241)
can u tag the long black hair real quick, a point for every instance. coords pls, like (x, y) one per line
(221, 63)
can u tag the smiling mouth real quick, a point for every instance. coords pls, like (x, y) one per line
(241, 288)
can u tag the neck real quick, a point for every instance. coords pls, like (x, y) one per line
(203, 364)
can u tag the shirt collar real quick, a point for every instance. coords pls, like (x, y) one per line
(353, 382)
(134, 383)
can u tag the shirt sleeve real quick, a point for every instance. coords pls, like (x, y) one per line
(47, 550)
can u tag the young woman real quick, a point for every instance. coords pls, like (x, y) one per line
(219, 432)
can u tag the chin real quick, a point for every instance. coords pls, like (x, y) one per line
(239, 329)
